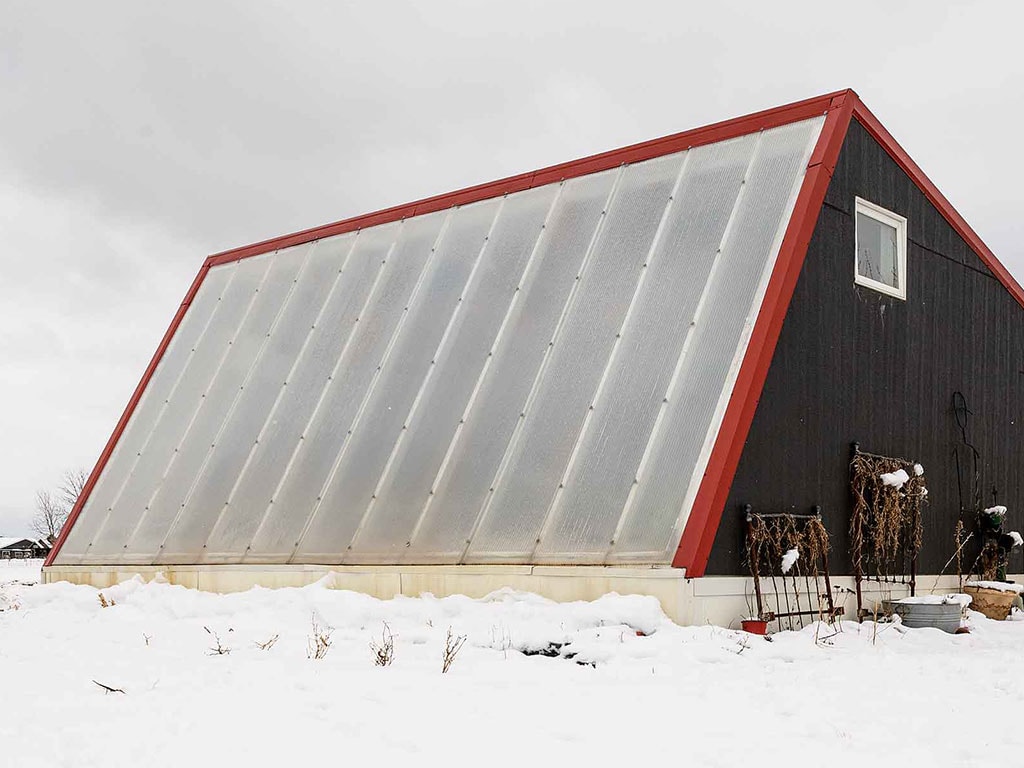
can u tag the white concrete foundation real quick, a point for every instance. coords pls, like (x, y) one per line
(719, 600)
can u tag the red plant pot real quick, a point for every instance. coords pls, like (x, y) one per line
(755, 626)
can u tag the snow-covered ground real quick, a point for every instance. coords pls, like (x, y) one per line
(697, 696)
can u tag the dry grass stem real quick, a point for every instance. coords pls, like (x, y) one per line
(267, 644)
(218, 648)
(452, 645)
(319, 640)
(384, 651)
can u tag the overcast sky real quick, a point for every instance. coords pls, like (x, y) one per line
(138, 137)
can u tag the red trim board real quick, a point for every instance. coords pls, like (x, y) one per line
(706, 512)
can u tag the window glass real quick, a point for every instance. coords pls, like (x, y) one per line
(881, 256)
(877, 254)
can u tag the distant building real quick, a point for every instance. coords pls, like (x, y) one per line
(15, 549)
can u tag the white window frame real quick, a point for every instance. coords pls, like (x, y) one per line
(899, 223)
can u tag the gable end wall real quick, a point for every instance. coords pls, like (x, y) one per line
(854, 365)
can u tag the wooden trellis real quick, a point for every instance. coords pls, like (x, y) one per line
(885, 527)
(769, 537)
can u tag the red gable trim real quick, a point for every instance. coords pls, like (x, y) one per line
(706, 513)
(108, 449)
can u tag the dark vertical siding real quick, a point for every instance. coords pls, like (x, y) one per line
(853, 364)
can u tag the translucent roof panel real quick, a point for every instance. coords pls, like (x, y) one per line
(533, 378)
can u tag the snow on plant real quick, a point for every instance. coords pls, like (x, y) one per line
(997, 513)
(1017, 539)
(789, 559)
(918, 470)
(898, 478)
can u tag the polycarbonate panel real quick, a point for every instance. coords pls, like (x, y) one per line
(268, 378)
(386, 408)
(176, 358)
(502, 389)
(535, 378)
(132, 502)
(326, 433)
(355, 272)
(587, 515)
(706, 375)
(225, 389)
(512, 523)
(406, 486)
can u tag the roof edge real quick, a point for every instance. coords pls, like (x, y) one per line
(879, 133)
(122, 423)
(708, 134)
(708, 505)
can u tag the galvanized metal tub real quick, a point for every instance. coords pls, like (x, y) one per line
(944, 616)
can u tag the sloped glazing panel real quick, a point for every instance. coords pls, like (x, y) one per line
(538, 457)
(501, 391)
(175, 360)
(406, 486)
(349, 498)
(249, 505)
(534, 378)
(131, 505)
(225, 389)
(324, 438)
(707, 367)
(268, 378)
(653, 335)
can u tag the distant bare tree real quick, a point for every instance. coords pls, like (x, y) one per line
(49, 516)
(52, 509)
(71, 486)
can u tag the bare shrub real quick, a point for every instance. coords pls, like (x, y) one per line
(218, 649)
(106, 602)
(319, 640)
(267, 644)
(384, 652)
(452, 645)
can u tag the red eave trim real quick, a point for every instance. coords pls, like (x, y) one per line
(864, 116)
(706, 512)
(108, 449)
(740, 126)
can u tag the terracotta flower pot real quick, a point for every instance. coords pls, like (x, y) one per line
(755, 626)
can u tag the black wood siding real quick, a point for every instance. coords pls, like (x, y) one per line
(854, 364)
